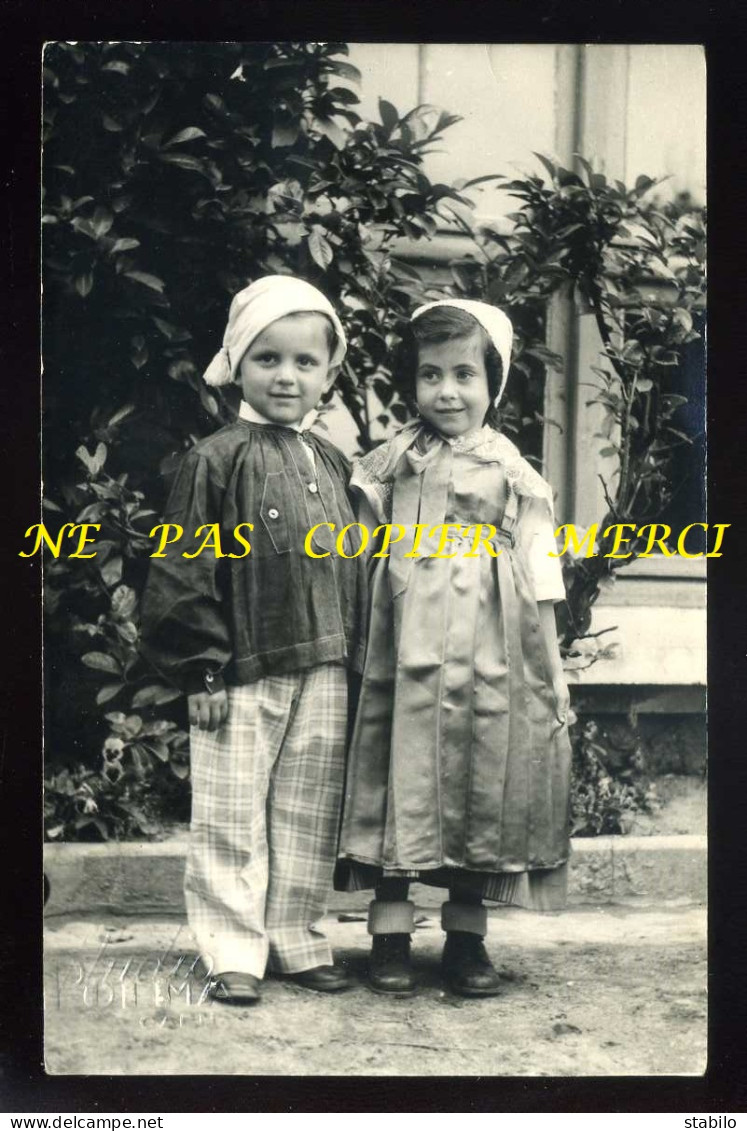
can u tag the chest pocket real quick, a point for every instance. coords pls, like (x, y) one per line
(275, 511)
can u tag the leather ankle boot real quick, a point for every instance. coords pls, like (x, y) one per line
(389, 969)
(466, 966)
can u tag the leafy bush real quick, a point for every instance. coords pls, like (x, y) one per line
(602, 802)
(176, 173)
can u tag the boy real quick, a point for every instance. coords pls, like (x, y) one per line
(260, 642)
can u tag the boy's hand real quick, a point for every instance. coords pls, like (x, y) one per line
(208, 712)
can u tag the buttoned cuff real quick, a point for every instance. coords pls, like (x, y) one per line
(205, 680)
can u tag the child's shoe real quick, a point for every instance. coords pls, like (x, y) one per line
(234, 988)
(323, 979)
(466, 966)
(391, 923)
(389, 969)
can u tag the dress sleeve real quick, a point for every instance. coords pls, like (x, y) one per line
(184, 630)
(367, 483)
(536, 532)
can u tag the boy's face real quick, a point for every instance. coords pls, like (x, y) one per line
(286, 369)
(451, 385)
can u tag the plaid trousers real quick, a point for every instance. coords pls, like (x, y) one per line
(266, 797)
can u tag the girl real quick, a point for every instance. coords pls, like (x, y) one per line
(458, 773)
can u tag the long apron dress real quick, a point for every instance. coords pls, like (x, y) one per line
(459, 765)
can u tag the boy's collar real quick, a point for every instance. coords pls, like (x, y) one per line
(246, 412)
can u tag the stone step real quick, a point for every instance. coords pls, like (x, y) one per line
(146, 877)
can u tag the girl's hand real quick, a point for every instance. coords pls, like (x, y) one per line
(560, 693)
(562, 697)
(208, 712)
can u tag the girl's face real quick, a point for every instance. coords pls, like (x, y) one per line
(286, 369)
(451, 384)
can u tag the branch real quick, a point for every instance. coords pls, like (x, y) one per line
(592, 635)
(607, 499)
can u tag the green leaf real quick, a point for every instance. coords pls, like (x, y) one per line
(95, 462)
(85, 227)
(320, 250)
(191, 133)
(147, 280)
(128, 632)
(102, 221)
(389, 115)
(120, 415)
(111, 572)
(101, 661)
(84, 284)
(344, 70)
(479, 180)
(132, 725)
(140, 759)
(584, 164)
(126, 244)
(406, 270)
(154, 694)
(108, 691)
(160, 749)
(117, 66)
(547, 164)
(139, 351)
(184, 161)
(173, 333)
(332, 131)
(208, 401)
(84, 821)
(284, 133)
(683, 318)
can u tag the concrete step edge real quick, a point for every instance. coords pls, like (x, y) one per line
(121, 878)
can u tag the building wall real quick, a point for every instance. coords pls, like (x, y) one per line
(643, 107)
(629, 109)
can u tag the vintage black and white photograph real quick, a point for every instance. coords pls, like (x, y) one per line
(374, 542)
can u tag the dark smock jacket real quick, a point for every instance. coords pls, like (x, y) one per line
(209, 620)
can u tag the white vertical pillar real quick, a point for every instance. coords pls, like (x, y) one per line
(591, 119)
(561, 318)
(603, 142)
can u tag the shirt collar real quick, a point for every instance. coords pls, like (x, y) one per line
(246, 412)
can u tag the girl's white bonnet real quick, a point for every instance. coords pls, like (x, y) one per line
(494, 322)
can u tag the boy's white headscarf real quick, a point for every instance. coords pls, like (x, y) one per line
(494, 322)
(255, 308)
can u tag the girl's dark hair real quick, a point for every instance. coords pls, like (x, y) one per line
(444, 324)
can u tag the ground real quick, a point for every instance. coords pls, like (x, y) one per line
(607, 991)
